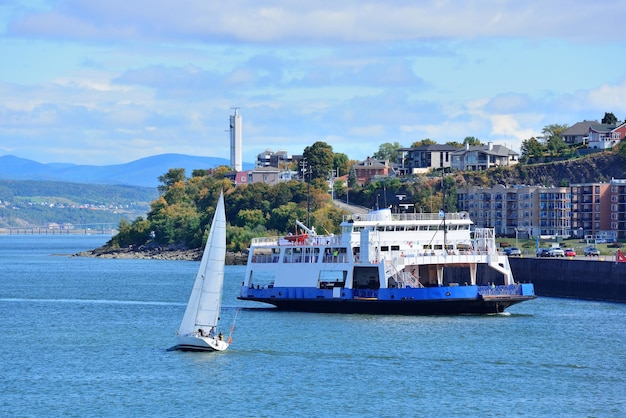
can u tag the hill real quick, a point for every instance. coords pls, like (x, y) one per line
(594, 168)
(143, 172)
(39, 203)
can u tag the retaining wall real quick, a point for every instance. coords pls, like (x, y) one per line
(580, 279)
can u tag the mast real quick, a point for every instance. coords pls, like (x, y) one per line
(443, 210)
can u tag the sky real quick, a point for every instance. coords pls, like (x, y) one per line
(107, 82)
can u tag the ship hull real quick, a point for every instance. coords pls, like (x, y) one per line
(456, 307)
(445, 300)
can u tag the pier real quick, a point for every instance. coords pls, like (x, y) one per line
(73, 229)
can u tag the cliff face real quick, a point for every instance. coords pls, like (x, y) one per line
(595, 168)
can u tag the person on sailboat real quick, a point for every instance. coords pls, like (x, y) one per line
(212, 332)
(221, 336)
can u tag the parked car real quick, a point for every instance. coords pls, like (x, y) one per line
(569, 252)
(543, 252)
(591, 251)
(556, 252)
(513, 252)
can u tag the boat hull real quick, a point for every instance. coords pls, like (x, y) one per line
(196, 343)
(377, 307)
(445, 300)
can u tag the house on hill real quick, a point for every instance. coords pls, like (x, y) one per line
(424, 158)
(482, 157)
(604, 136)
(370, 168)
(578, 133)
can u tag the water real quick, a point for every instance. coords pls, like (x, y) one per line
(89, 337)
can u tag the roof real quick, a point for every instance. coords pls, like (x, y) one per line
(372, 162)
(602, 127)
(579, 128)
(432, 147)
(266, 170)
(499, 150)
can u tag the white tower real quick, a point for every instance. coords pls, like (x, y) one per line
(235, 141)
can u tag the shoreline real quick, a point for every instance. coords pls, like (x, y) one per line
(160, 253)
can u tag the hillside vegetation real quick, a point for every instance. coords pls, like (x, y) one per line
(26, 203)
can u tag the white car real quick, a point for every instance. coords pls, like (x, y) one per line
(556, 252)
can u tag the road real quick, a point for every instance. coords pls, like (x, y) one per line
(351, 208)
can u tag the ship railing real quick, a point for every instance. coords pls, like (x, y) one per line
(416, 257)
(411, 216)
(403, 278)
(317, 240)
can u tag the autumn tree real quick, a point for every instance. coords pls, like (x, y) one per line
(426, 141)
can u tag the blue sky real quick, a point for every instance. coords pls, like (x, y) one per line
(106, 82)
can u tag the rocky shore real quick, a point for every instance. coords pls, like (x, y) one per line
(160, 253)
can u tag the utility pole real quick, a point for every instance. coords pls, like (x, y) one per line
(305, 171)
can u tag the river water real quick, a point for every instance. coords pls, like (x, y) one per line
(89, 337)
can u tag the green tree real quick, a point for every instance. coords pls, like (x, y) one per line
(340, 163)
(472, 141)
(621, 150)
(319, 159)
(352, 180)
(553, 140)
(531, 148)
(252, 217)
(174, 175)
(387, 151)
(609, 118)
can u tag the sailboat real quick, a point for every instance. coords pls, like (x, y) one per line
(198, 329)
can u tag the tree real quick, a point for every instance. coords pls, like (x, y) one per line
(340, 162)
(352, 180)
(470, 140)
(319, 159)
(531, 148)
(174, 175)
(553, 140)
(551, 131)
(387, 151)
(425, 141)
(621, 150)
(609, 118)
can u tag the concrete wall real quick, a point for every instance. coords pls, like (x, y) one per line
(580, 279)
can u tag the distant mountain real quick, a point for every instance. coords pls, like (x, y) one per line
(143, 172)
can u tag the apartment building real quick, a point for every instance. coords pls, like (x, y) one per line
(520, 210)
(591, 210)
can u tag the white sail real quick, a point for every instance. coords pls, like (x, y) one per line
(205, 301)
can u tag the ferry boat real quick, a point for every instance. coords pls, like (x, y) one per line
(385, 263)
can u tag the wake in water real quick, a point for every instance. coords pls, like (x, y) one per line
(94, 301)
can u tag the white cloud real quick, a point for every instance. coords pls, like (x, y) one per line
(611, 98)
(321, 21)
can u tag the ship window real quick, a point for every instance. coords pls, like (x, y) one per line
(384, 248)
(395, 248)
